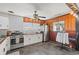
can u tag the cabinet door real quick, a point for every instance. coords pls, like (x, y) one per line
(5, 46)
(8, 43)
(27, 39)
(4, 22)
(32, 39)
(2, 48)
(39, 38)
(36, 38)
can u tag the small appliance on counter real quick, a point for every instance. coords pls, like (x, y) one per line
(9, 33)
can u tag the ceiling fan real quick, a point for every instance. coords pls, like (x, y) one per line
(36, 16)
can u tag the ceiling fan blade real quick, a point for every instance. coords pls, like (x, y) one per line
(42, 16)
(35, 15)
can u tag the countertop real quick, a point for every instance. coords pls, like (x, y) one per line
(2, 39)
(31, 33)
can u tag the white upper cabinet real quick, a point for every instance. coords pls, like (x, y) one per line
(4, 22)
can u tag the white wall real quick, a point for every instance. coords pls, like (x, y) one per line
(15, 22)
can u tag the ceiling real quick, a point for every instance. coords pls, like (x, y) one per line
(49, 10)
(77, 5)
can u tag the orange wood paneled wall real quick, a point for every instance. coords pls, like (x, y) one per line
(26, 19)
(69, 25)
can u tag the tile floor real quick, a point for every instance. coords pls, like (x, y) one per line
(48, 48)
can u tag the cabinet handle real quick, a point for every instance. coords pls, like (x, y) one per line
(4, 49)
(29, 39)
(38, 37)
(0, 25)
(6, 44)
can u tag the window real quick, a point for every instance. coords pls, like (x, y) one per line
(58, 26)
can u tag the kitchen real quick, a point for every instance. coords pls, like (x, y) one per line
(12, 29)
(34, 30)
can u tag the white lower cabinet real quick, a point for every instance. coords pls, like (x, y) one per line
(31, 39)
(37, 38)
(27, 40)
(8, 43)
(2, 48)
(5, 46)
